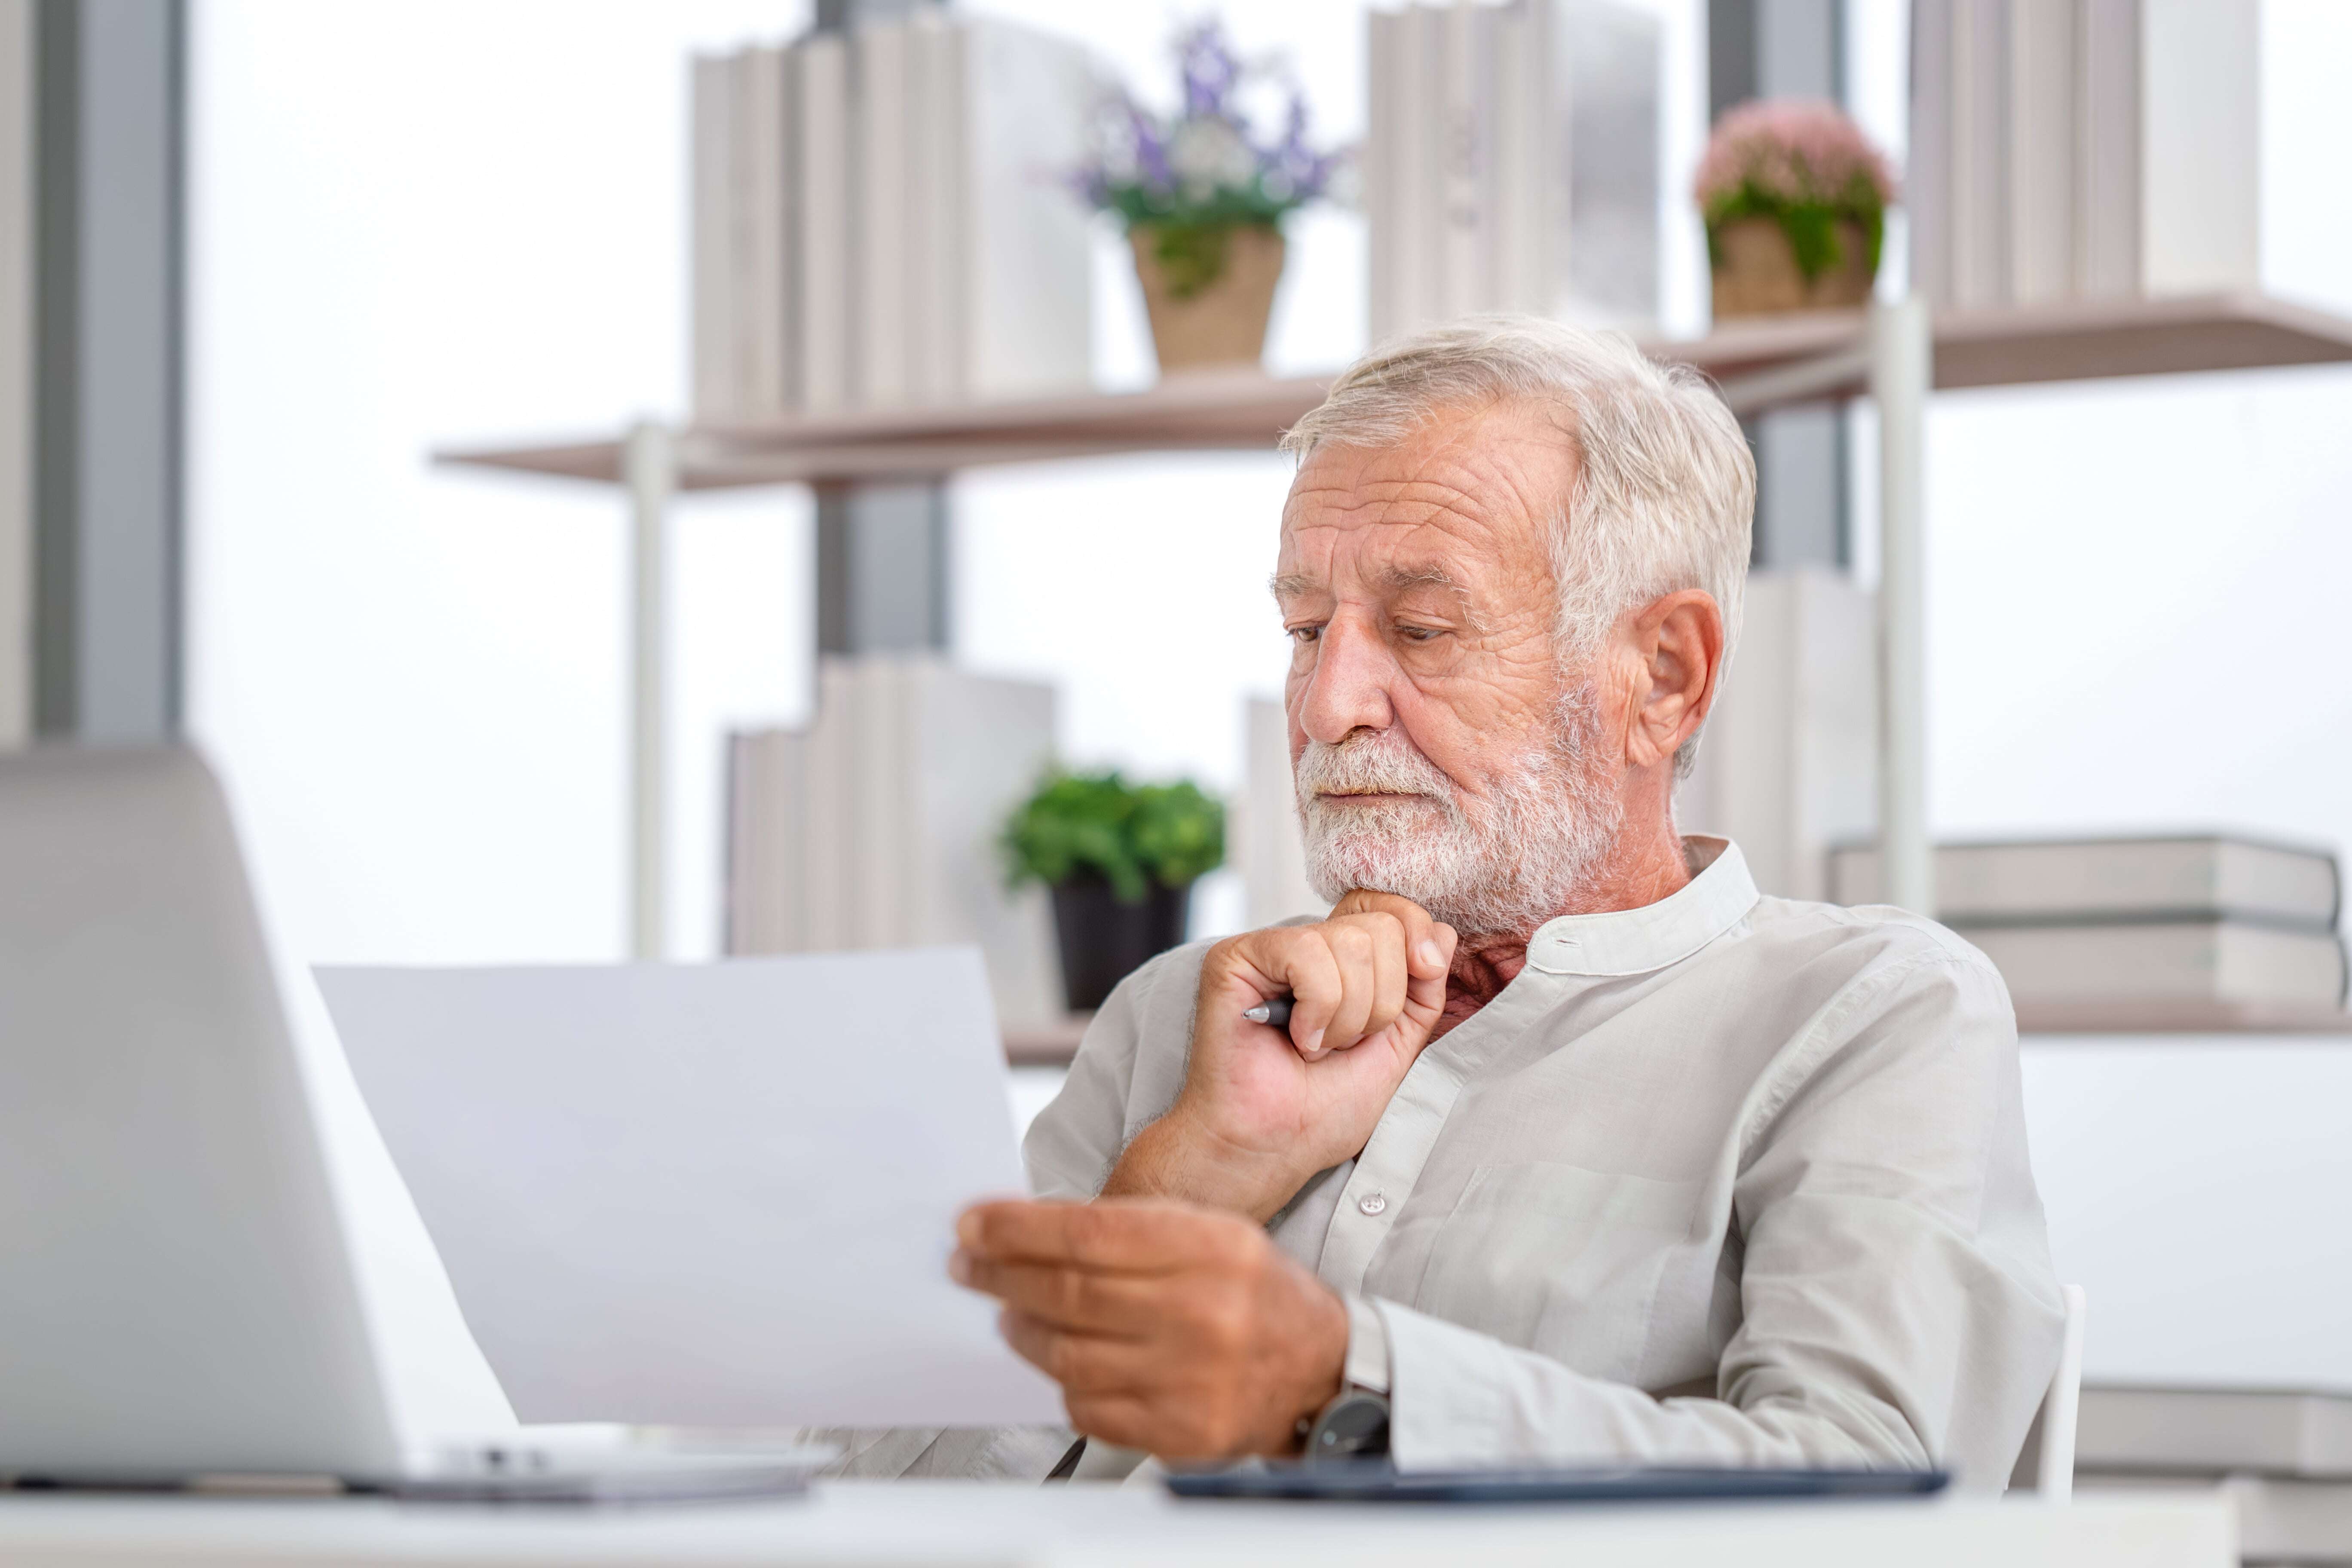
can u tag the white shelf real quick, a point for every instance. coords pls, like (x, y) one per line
(2160, 1017)
(1759, 363)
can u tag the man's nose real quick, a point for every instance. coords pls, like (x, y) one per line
(1349, 688)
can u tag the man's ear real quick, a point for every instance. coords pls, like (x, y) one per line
(1679, 641)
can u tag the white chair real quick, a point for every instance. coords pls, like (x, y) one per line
(2050, 1446)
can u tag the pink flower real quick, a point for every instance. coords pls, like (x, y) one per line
(1798, 149)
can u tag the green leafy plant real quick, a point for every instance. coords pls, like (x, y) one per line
(1130, 835)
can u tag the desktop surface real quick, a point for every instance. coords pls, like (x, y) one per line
(951, 1523)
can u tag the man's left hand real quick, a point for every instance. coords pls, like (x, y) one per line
(1172, 1328)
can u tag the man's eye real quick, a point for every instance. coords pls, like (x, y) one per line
(1306, 634)
(1420, 634)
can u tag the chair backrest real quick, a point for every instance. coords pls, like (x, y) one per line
(2054, 1471)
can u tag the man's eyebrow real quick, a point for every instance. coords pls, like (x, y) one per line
(1431, 576)
(1290, 585)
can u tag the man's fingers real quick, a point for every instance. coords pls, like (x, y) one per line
(1079, 1363)
(1427, 992)
(1425, 952)
(1066, 1296)
(1389, 969)
(1303, 960)
(1116, 1392)
(1346, 977)
(1131, 1236)
(1369, 951)
(1355, 948)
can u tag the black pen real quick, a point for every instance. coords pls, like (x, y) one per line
(1276, 1012)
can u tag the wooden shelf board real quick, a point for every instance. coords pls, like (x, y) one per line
(1048, 1044)
(1201, 411)
(2097, 341)
(1245, 410)
(2178, 1017)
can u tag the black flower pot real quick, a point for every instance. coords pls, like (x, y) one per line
(1104, 941)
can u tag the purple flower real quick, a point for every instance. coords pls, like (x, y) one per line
(1209, 70)
(1151, 149)
(1206, 164)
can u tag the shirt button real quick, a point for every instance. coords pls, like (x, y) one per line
(1372, 1203)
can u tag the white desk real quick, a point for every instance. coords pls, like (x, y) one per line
(968, 1524)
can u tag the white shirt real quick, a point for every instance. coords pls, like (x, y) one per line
(1724, 1179)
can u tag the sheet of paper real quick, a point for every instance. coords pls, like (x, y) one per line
(714, 1195)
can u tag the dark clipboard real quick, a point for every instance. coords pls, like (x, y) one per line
(1378, 1481)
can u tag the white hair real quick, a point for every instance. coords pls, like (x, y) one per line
(1666, 487)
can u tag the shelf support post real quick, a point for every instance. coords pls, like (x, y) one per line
(649, 470)
(1902, 372)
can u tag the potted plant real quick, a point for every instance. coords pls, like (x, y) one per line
(1795, 200)
(1121, 860)
(1202, 197)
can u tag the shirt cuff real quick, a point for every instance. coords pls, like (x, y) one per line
(1368, 1347)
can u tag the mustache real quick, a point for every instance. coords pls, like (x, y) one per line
(1377, 762)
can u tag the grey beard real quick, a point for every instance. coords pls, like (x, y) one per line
(1500, 865)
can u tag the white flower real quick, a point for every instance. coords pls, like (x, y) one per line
(1206, 153)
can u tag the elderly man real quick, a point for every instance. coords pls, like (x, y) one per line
(1574, 1148)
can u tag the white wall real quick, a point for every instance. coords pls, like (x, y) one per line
(425, 223)
(2196, 1191)
(16, 371)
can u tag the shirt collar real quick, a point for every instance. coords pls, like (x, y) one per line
(1635, 941)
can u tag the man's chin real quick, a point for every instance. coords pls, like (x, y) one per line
(1375, 868)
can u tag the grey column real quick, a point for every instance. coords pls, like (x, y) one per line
(832, 16)
(107, 457)
(17, 61)
(1788, 48)
(881, 567)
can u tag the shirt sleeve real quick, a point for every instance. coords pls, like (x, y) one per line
(1897, 1304)
(1074, 1141)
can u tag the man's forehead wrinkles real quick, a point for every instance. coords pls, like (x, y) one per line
(1415, 503)
(1435, 542)
(1500, 467)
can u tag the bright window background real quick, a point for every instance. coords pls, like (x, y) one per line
(447, 222)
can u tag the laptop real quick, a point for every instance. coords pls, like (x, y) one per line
(178, 1300)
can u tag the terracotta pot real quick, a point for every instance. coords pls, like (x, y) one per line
(1758, 271)
(1222, 322)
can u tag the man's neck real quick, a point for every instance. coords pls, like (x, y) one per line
(1641, 867)
(1645, 865)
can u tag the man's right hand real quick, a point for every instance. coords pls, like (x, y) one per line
(1262, 1108)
